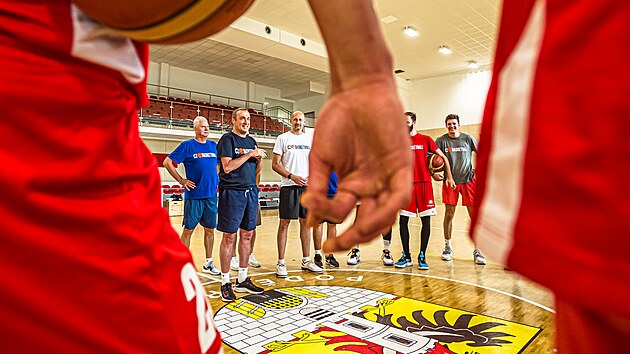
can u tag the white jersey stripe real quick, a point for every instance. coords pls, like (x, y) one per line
(499, 209)
(95, 43)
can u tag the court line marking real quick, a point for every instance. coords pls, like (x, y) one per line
(531, 302)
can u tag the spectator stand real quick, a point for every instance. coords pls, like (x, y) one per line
(269, 194)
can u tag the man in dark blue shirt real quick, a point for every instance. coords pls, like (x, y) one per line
(241, 159)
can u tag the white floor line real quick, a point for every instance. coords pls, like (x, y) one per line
(531, 302)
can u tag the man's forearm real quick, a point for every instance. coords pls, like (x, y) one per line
(234, 164)
(354, 41)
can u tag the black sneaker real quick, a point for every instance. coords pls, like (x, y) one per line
(318, 261)
(248, 287)
(227, 295)
(331, 261)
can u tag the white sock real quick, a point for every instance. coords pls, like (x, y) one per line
(306, 259)
(386, 244)
(234, 259)
(225, 278)
(281, 261)
(242, 274)
(251, 255)
(447, 243)
(319, 252)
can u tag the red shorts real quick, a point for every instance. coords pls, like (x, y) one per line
(422, 203)
(450, 196)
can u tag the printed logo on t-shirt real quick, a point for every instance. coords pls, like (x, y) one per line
(200, 155)
(417, 147)
(456, 149)
(298, 147)
(242, 151)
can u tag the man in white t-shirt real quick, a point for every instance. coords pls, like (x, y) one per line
(290, 160)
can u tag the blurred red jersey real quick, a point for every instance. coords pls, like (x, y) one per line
(550, 202)
(90, 262)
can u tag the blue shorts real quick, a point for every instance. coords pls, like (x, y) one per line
(200, 211)
(237, 209)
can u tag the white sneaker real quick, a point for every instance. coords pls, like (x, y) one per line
(479, 258)
(253, 262)
(447, 254)
(234, 264)
(355, 256)
(210, 268)
(281, 270)
(387, 259)
(311, 267)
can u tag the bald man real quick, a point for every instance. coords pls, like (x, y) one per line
(290, 160)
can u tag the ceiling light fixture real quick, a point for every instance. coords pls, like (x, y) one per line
(410, 31)
(445, 50)
(473, 64)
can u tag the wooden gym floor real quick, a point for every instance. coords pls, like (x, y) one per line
(467, 308)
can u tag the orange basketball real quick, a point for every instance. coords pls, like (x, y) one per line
(165, 21)
(436, 163)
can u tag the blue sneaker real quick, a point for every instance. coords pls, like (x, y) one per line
(422, 262)
(403, 261)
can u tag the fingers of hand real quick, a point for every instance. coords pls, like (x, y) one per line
(321, 207)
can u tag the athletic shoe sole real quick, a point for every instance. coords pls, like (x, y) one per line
(210, 272)
(312, 271)
(245, 290)
(423, 268)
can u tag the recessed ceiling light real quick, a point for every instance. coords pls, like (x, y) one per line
(445, 50)
(410, 31)
(389, 19)
(473, 64)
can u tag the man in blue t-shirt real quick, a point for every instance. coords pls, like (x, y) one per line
(199, 156)
(241, 159)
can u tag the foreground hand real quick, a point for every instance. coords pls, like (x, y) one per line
(361, 133)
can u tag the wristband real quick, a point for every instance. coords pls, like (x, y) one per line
(289, 175)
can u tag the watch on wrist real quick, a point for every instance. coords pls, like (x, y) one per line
(289, 175)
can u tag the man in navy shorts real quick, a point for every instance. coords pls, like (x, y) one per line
(199, 156)
(241, 160)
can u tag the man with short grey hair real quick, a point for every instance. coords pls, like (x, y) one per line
(199, 156)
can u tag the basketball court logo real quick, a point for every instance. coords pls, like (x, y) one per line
(329, 319)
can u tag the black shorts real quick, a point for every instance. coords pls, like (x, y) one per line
(290, 207)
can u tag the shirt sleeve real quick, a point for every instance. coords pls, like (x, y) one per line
(180, 153)
(225, 147)
(473, 143)
(278, 148)
(432, 145)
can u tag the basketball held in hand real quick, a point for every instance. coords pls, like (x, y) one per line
(165, 21)
(435, 163)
